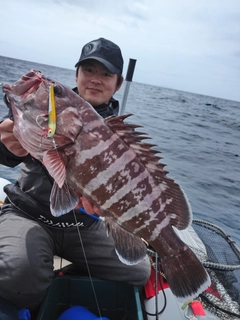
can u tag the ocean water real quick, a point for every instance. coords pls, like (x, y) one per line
(199, 137)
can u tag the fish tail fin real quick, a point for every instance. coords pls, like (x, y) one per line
(185, 274)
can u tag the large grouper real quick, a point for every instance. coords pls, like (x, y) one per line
(107, 161)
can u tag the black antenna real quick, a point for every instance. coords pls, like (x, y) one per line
(128, 80)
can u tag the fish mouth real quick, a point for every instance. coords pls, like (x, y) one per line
(7, 101)
(22, 88)
(26, 85)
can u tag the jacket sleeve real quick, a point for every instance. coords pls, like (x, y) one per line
(9, 159)
(6, 157)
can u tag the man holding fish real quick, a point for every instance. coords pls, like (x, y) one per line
(30, 235)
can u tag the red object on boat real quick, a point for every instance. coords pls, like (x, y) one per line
(150, 286)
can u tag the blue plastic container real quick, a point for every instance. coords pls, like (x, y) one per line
(78, 313)
(24, 314)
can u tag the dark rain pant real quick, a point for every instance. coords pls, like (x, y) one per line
(27, 249)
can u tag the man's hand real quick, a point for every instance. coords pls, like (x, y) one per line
(89, 207)
(9, 139)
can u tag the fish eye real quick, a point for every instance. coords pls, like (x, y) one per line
(57, 89)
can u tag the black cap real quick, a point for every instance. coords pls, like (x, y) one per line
(104, 51)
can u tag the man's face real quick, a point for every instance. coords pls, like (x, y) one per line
(95, 83)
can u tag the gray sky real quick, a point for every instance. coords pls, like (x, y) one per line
(189, 45)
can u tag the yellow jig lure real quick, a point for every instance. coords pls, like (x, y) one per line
(52, 119)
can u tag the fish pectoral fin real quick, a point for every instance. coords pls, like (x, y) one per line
(54, 161)
(62, 200)
(129, 248)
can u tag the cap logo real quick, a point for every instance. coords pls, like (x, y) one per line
(91, 47)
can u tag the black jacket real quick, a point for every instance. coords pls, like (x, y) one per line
(31, 193)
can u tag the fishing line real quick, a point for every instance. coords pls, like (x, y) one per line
(88, 269)
(80, 238)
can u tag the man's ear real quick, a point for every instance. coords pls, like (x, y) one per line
(120, 84)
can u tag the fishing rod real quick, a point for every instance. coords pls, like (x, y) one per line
(128, 80)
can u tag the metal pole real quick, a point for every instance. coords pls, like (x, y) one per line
(128, 80)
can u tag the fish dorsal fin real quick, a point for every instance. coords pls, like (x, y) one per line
(62, 200)
(147, 156)
(134, 140)
(54, 161)
(129, 248)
